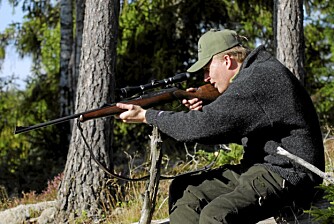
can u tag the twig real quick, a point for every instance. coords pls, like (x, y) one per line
(302, 162)
(193, 157)
(153, 183)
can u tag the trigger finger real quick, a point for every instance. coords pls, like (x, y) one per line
(193, 101)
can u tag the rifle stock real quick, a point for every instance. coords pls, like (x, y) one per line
(207, 93)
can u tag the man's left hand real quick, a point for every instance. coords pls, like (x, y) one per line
(134, 113)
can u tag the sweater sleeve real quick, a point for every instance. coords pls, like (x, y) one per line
(230, 117)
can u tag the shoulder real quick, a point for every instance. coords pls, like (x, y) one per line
(260, 65)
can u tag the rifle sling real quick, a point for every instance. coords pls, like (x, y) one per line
(120, 177)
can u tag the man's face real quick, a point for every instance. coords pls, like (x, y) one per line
(217, 72)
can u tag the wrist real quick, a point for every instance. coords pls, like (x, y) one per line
(144, 116)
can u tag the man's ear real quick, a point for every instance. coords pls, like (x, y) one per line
(228, 61)
(231, 63)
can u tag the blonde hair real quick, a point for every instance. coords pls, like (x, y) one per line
(239, 53)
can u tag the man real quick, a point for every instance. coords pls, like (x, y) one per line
(262, 106)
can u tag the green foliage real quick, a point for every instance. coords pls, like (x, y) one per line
(28, 160)
(255, 21)
(50, 50)
(5, 39)
(157, 38)
(29, 36)
(325, 216)
(319, 41)
(231, 155)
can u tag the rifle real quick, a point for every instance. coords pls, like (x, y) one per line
(207, 93)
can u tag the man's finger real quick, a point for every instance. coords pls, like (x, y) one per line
(191, 89)
(193, 101)
(125, 106)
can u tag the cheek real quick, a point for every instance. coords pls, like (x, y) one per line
(214, 73)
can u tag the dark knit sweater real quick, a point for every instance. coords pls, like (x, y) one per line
(264, 107)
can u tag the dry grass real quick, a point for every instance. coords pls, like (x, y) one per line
(128, 208)
(329, 151)
(49, 194)
(126, 202)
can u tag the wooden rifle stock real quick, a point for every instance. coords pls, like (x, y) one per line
(207, 93)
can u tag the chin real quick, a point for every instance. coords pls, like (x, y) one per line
(221, 90)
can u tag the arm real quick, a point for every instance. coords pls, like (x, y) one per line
(225, 120)
(193, 98)
(136, 114)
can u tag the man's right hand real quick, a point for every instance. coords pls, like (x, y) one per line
(193, 104)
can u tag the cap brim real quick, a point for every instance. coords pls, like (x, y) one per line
(198, 65)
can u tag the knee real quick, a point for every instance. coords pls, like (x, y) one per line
(214, 214)
(176, 190)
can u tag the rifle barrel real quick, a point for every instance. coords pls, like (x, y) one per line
(20, 129)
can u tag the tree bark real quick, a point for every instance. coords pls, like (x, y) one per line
(66, 42)
(289, 36)
(76, 52)
(83, 189)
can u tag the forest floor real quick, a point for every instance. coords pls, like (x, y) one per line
(40, 208)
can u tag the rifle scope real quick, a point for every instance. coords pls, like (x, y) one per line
(132, 90)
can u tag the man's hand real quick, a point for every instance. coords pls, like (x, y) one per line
(134, 113)
(193, 104)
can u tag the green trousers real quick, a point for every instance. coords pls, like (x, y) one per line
(224, 195)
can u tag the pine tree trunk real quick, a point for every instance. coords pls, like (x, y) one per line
(289, 36)
(83, 189)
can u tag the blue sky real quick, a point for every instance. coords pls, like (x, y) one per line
(13, 64)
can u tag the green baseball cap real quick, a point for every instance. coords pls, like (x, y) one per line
(212, 43)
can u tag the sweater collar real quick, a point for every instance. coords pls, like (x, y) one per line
(258, 54)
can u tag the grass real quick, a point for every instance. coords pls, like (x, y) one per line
(129, 209)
